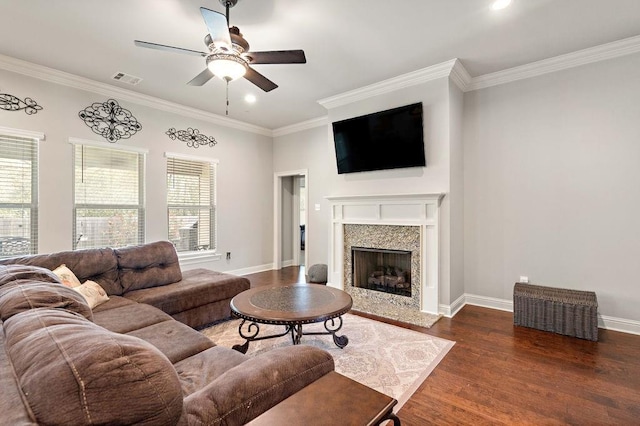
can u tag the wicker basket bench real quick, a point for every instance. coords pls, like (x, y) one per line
(562, 311)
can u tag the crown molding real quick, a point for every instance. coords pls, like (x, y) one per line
(390, 85)
(70, 80)
(590, 55)
(299, 127)
(460, 76)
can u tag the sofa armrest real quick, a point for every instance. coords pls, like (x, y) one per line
(251, 388)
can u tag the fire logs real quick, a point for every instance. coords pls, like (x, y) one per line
(391, 277)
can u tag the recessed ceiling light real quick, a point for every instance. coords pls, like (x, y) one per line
(250, 99)
(500, 4)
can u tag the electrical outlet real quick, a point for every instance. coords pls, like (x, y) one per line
(524, 279)
(228, 255)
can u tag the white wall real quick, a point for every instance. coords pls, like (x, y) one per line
(245, 201)
(552, 184)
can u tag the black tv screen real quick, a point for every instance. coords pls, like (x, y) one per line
(389, 139)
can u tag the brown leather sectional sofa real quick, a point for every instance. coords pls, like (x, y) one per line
(134, 359)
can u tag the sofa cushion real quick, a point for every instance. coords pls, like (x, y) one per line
(249, 389)
(23, 296)
(98, 377)
(24, 287)
(129, 317)
(99, 265)
(12, 408)
(112, 303)
(201, 369)
(198, 287)
(11, 273)
(175, 340)
(148, 265)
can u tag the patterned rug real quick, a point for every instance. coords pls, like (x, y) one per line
(390, 359)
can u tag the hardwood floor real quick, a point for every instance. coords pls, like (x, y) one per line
(500, 374)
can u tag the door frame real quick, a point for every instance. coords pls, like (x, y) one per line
(277, 215)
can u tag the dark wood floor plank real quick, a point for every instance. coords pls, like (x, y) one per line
(501, 374)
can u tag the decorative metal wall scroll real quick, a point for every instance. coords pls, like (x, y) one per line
(13, 103)
(192, 137)
(110, 120)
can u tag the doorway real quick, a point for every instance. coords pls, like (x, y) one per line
(291, 232)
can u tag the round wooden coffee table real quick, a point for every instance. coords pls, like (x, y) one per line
(291, 306)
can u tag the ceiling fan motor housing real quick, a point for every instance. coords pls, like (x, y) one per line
(228, 3)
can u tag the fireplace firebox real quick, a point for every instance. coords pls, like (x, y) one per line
(388, 271)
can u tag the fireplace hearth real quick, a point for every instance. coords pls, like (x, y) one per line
(387, 271)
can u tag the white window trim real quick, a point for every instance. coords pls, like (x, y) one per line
(191, 157)
(78, 141)
(22, 133)
(195, 257)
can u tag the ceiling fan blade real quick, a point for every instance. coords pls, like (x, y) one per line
(201, 78)
(277, 57)
(217, 25)
(259, 80)
(168, 48)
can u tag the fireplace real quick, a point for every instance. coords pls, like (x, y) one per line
(407, 223)
(387, 271)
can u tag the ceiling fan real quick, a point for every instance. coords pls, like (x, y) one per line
(229, 56)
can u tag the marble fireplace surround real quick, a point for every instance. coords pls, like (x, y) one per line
(396, 221)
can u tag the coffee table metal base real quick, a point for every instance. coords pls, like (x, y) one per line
(249, 330)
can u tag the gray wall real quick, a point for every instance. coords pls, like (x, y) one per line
(309, 150)
(552, 184)
(245, 171)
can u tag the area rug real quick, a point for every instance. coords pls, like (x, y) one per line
(390, 359)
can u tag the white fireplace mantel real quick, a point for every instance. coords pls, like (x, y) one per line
(420, 210)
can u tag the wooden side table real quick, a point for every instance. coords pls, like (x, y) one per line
(331, 400)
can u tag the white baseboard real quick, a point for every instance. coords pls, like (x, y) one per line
(604, 321)
(252, 269)
(449, 311)
(489, 302)
(619, 324)
(286, 263)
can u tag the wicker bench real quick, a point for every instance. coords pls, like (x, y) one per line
(562, 311)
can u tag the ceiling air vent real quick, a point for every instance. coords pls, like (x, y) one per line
(126, 78)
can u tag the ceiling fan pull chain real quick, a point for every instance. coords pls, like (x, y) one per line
(227, 80)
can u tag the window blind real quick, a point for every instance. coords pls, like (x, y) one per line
(191, 204)
(108, 197)
(18, 195)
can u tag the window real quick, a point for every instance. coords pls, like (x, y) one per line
(108, 197)
(191, 202)
(18, 192)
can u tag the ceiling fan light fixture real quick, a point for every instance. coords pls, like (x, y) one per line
(227, 66)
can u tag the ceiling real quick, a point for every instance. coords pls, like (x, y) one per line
(348, 43)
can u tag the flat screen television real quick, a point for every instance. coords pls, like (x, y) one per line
(388, 139)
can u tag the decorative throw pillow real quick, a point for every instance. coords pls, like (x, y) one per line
(93, 293)
(67, 276)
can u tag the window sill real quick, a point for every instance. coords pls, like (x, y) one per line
(194, 257)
